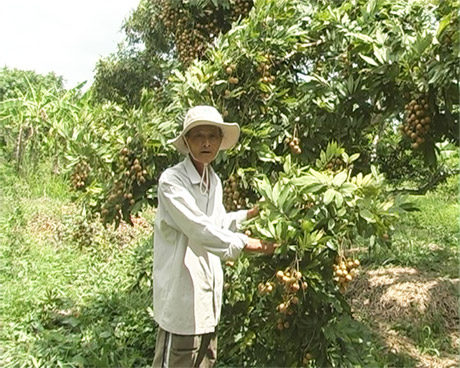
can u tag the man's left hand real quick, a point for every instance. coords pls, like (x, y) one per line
(260, 246)
(253, 212)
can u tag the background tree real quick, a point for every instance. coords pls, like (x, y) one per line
(15, 82)
(34, 110)
(349, 67)
(295, 75)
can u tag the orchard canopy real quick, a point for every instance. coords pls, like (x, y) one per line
(378, 77)
(337, 102)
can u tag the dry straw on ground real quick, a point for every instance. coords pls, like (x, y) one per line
(393, 295)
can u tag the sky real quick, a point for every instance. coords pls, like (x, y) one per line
(61, 36)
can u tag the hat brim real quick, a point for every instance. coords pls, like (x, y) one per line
(230, 132)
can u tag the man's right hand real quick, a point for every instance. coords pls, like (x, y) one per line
(260, 246)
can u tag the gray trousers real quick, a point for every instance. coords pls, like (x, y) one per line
(172, 350)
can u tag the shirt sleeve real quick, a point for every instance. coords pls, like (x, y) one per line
(195, 224)
(233, 220)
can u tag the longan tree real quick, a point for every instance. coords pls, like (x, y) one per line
(295, 75)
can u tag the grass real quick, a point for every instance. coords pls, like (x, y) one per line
(77, 295)
(425, 241)
(69, 299)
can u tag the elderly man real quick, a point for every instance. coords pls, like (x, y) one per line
(192, 235)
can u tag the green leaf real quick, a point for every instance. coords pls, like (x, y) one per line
(265, 154)
(422, 42)
(73, 321)
(105, 334)
(285, 192)
(321, 177)
(276, 193)
(372, 240)
(354, 157)
(307, 226)
(264, 232)
(264, 188)
(361, 36)
(339, 179)
(341, 212)
(271, 229)
(443, 24)
(348, 188)
(338, 199)
(381, 54)
(368, 60)
(280, 230)
(329, 196)
(287, 164)
(79, 360)
(367, 215)
(307, 181)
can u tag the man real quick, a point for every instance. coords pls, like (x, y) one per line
(192, 235)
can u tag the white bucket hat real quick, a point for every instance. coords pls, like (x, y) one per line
(207, 115)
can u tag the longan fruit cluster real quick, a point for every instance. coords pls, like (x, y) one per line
(417, 121)
(122, 192)
(191, 34)
(232, 80)
(194, 31)
(230, 70)
(282, 324)
(286, 309)
(307, 357)
(292, 282)
(264, 69)
(241, 9)
(234, 197)
(80, 175)
(335, 164)
(266, 288)
(115, 199)
(133, 167)
(294, 146)
(345, 271)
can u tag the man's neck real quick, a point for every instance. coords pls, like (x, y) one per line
(199, 166)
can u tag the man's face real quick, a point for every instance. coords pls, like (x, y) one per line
(204, 142)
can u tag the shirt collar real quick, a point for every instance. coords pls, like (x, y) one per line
(193, 173)
(191, 170)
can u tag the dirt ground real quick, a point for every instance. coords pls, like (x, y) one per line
(389, 297)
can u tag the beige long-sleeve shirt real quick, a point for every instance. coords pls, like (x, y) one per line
(192, 234)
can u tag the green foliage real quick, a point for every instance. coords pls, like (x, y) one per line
(400, 165)
(316, 218)
(16, 83)
(142, 62)
(295, 76)
(439, 253)
(33, 122)
(306, 71)
(66, 302)
(286, 71)
(121, 78)
(125, 151)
